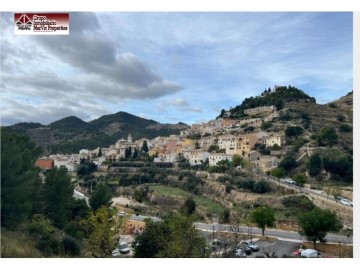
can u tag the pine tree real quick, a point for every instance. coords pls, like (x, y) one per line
(20, 183)
(144, 147)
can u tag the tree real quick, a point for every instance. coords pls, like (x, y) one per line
(128, 152)
(300, 179)
(278, 173)
(225, 216)
(266, 125)
(144, 147)
(237, 160)
(261, 187)
(86, 168)
(98, 226)
(135, 154)
(316, 223)
(213, 148)
(189, 207)
(314, 165)
(288, 163)
(20, 182)
(173, 237)
(263, 216)
(327, 136)
(293, 131)
(58, 196)
(101, 196)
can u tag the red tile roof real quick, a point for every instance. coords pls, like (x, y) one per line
(45, 164)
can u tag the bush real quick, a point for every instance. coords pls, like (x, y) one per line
(327, 136)
(340, 118)
(228, 188)
(345, 128)
(71, 246)
(261, 187)
(74, 229)
(49, 245)
(293, 131)
(266, 125)
(40, 226)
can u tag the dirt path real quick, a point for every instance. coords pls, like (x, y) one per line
(123, 201)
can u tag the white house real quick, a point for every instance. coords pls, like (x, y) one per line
(214, 158)
(197, 157)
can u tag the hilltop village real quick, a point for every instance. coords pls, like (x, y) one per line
(210, 142)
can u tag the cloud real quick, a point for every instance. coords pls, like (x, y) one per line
(179, 65)
(179, 102)
(48, 77)
(89, 50)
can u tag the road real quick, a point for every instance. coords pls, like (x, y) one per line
(79, 196)
(294, 187)
(280, 234)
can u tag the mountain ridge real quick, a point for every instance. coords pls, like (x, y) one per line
(70, 134)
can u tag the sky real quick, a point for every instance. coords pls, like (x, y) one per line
(171, 66)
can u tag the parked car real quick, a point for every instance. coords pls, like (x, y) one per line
(245, 247)
(124, 247)
(290, 181)
(309, 253)
(115, 252)
(346, 202)
(239, 253)
(251, 245)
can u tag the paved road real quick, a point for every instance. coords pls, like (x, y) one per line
(280, 234)
(79, 196)
(294, 187)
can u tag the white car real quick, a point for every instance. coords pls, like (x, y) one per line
(289, 181)
(239, 253)
(115, 252)
(346, 202)
(124, 247)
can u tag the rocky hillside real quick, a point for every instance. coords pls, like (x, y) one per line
(70, 134)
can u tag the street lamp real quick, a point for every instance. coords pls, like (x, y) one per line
(250, 233)
(213, 232)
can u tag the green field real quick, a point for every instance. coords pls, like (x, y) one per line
(203, 202)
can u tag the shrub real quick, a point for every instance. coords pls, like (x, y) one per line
(266, 125)
(340, 118)
(71, 246)
(261, 187)
(74, 229)
(49, 245)
(228, 188)
(293, 131)
(345, 128)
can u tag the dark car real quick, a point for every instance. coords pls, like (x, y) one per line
(251, 245)
(246, 248)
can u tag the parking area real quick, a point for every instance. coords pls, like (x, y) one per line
(276, 249)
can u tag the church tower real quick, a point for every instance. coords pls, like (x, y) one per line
(129, 138)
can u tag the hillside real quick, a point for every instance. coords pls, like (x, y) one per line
(325, 129)
(70, 134)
